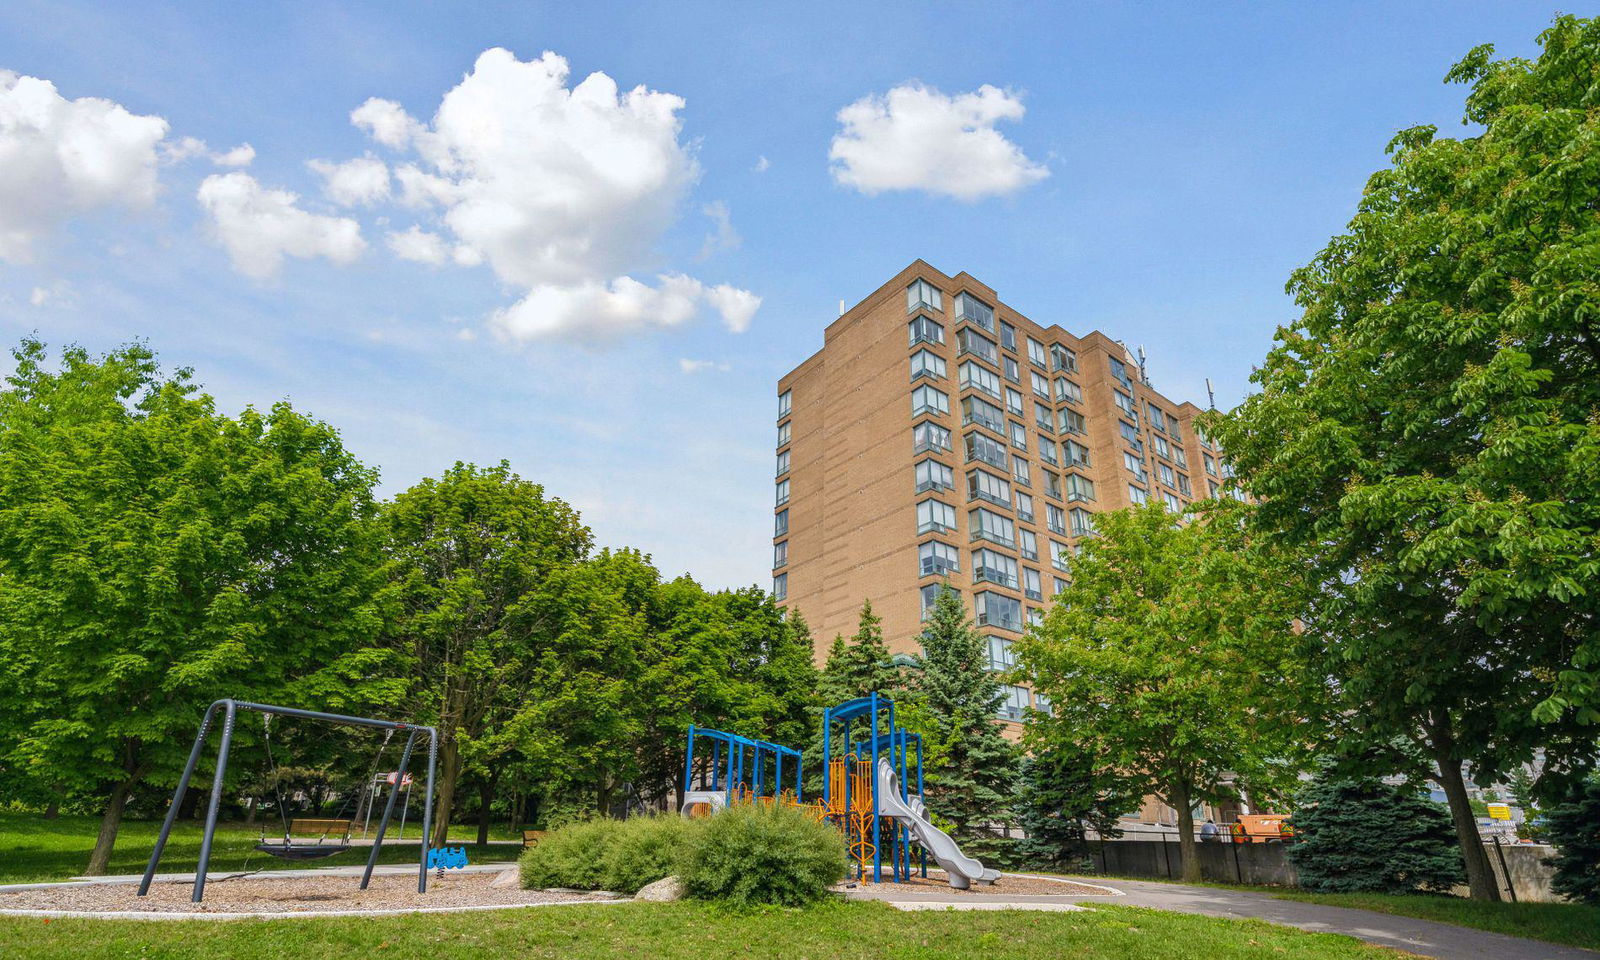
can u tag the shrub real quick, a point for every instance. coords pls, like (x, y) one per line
(643, 850)
(756, 854)
(573, 856)
(1364, 835)
(1574, 828)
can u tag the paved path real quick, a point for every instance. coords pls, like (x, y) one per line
(1422, 937)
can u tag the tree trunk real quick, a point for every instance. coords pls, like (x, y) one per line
(449, 772)
(485, 803)
(110, 821)
(1480, 875)
(53, 810)
(250, 809)
(1186, 846)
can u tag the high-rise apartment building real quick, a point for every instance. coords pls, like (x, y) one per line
(940, 436)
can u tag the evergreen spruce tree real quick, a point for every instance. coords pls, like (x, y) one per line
(1575, 831)
(860, 665)
(1061, 796)
(1364, 835)
(972, 770)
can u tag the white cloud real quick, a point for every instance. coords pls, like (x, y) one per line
(362, 182)
(762, 163)
(594, 310)
(62, 157)
(418, 245)
(58, 294)
(260, 226)
(701, 366)
(184, 148)
(561, 190)
(239, 156)
(916, 138)
(723, 235)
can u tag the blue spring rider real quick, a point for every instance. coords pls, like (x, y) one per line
(447, 858)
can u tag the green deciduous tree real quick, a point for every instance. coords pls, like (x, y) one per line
(1355, 835)
(971, 771)
(156, 555)
(469, 554)
(1163, 659)
(1426, 438)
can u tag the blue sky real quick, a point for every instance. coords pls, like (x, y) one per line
(1151, 170)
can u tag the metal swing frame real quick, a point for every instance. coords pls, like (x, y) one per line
(230, 709)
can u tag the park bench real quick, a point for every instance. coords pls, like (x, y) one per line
(531, 838)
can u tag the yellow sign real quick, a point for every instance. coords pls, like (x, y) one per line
(1499, 811)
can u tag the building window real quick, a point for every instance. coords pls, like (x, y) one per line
(1047, 451)
(1042, 703)
(1125, 403)
(1165, 473)
(1076, 454)
(1079, 488)
(988, 525)
(1067, 391)
(929, 436)
(973, 310)
(1014, 705)
(1200, 435)
(1135, 466)
(937, 559)
(926, 363)
(980, 378)
(780, 587)
(983, 485)
(1065, 360)
(1041, 385)
(1071, 421)
(987, 450)
(998, 610)
(1211, 464)
(1059, 586)
(1001, 657)
(1138, 495)
(1212, 484)
(1013, 372)
(983, 413)
(1032, 584)
(780, 523)
(1035, 352)
(783, 433)
(1183, 485)
(1120, 371)
(1042, 417)
(784, 403)
(933, 475)
(780, 553)
(930, 595)
(783, 463)
(921, 293)
(925, 330)
(1060, 557)
(1014, 402)
(1171, 501)
(1020, 473)
(1130, 434)
(1028, 542)
(1019, 436)
(1082, 522)
(1055, 519)
(1052, 484)
(783, 491)
(971, 341)
(1174, 427)
(1158, 419)
(935, 516)
(1024, 507)
(991, 567)
(1180, 457)
(1034, 617)
(1162, 449)
(1008, 336)
(926, 399)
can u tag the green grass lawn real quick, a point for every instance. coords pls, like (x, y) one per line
(32, 848)
(1569, 923)
(687, 931)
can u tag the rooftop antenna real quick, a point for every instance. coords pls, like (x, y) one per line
(1143, 377)
(1211, 395)
(841, 308)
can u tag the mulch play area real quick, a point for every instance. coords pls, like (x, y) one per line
(266, 894)
(1008, 885)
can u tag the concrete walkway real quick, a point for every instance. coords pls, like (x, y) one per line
(1422, 937)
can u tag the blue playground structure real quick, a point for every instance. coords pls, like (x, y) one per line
(867, 768)
(725, 777)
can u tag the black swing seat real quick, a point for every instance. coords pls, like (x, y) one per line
(302, 851)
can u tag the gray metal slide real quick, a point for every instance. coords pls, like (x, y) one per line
(960, 868)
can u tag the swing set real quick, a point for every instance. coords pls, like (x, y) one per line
(288, 848)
